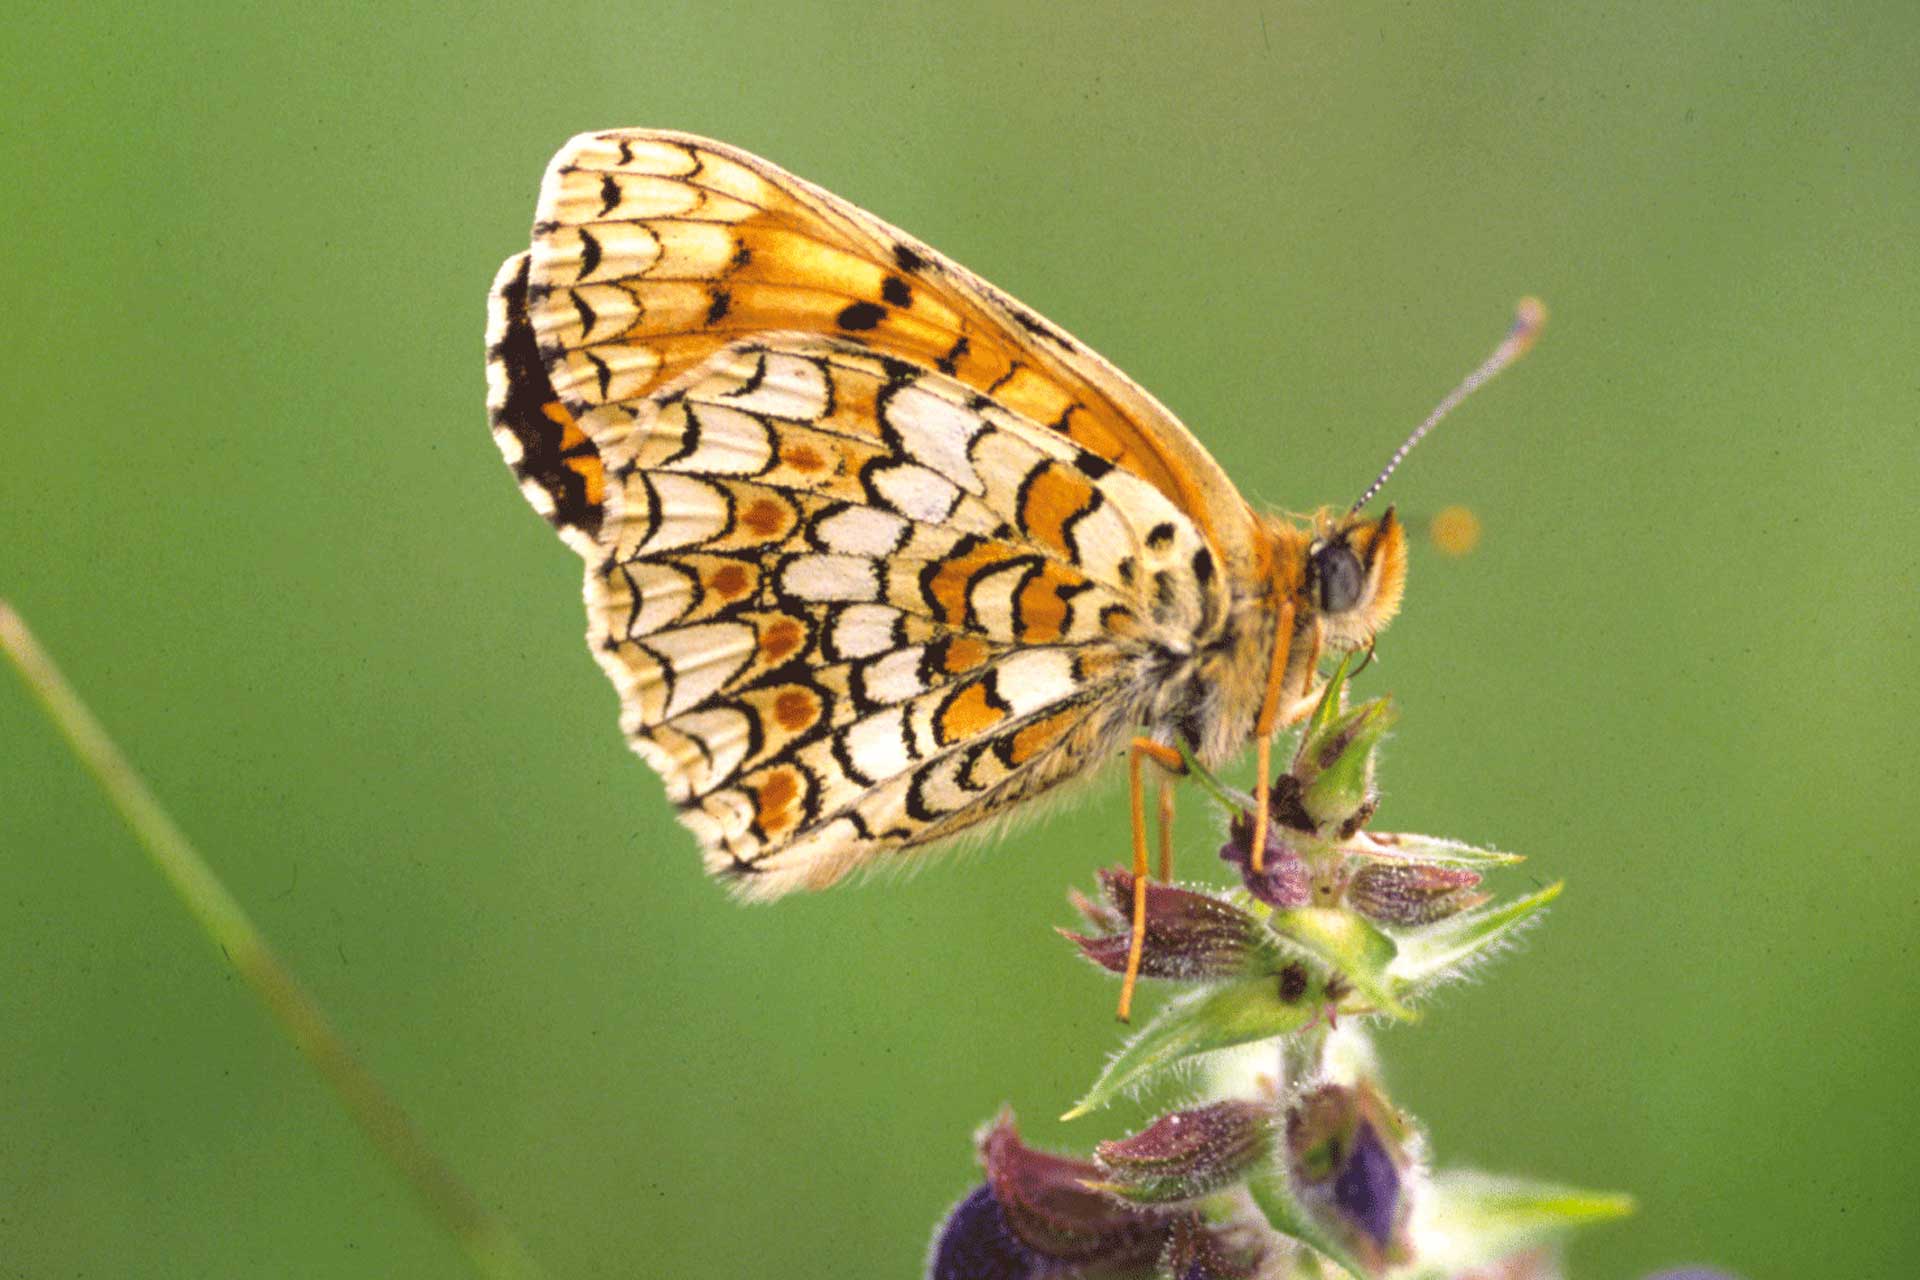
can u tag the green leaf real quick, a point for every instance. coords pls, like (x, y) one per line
(1445, 853)
(1437, 951)
(1284, 1213)
(1469, 1220)
(1238, 1012)
(1350, 945)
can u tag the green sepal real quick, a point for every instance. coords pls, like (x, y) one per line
(1469, 1220)
(1273, 1196)
(1350, 945)
(1336, 764)
(1328, 707)
(1436, 951)
(1443, 853)
(1201, 1021)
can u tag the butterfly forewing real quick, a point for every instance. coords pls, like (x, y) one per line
(663, 247)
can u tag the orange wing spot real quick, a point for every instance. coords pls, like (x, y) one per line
(730, 582)
(964, 653)
(1039, 607)
(1033, 394)
(803, 457)
(570, 432)
(595, 476)
(1120, 623)
(950, 583)
(968, 713)
(1093, 665)
(587, 465)
(778, 799)
(795, 709)
(781, 640)
(856, 406)
(1053, 496)
(765, 517)
(1028, 741)
(778, 257)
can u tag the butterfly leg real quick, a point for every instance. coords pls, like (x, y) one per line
(1143, 749)
(1313, 664)
(1263, 729)
(1166, 828)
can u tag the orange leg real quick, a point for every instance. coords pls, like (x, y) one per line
(1263, 731)
(1166, 828)
(1313, 664)
(1167, 758)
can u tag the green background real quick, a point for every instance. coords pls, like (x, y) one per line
(248, 497)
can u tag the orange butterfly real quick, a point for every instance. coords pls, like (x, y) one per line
(874, 553)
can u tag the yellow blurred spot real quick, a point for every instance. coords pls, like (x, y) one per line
(1455, 530)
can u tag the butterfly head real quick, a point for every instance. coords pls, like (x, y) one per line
(1356, 569)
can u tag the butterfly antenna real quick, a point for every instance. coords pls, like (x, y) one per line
(1528, 319)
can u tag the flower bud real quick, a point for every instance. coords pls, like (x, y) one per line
(1412, 893)
(1186, 1154)
(1190, 936)
(1334, 766)
(1047, 1206)
(1346, 1152)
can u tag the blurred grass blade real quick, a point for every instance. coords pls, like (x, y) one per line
(492, 1250)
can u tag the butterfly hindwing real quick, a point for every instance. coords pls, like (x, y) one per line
(558, 467)
(852, 605)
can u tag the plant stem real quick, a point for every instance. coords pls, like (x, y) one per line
(488, 1244)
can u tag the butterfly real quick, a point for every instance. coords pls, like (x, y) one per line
(874, 553)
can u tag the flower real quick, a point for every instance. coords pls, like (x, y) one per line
(1190, 935)
(1412, 893)
(1282, 880)
(1347, 1155)
(1187, 1154)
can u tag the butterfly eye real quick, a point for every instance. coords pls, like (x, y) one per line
(1337, 578)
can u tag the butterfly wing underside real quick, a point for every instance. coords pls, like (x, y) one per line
(873, 553)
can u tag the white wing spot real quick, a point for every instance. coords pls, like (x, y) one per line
(828, 578)
(861, 531)
(935, 432)
(916, 492)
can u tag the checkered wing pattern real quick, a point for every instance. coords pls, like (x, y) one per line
(874, 554)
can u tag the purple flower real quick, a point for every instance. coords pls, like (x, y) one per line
(1282, 881)
(1046, 1204)
(975, 1243)
(1345, 1152)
